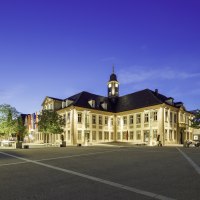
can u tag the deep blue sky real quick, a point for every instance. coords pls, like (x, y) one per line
(61, 47)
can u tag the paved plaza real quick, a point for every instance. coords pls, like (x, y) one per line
(100, 172)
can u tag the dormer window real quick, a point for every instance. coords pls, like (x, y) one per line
(63, 104)
(104, 105)
(92, 103)
(68, 102)
(170, 101)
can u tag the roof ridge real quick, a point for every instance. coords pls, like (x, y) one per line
(155, 97)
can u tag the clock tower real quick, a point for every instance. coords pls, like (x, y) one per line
(113, 86)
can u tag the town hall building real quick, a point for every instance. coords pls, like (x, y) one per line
(142, 117)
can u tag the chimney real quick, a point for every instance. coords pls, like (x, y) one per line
(156, 91)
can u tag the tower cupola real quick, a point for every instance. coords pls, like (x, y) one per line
(113, 86)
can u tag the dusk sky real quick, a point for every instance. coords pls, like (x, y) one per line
(61, 47)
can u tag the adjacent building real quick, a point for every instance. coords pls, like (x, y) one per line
(144, 116)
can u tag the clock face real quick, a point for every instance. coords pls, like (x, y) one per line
(116, 85)
(109, 85)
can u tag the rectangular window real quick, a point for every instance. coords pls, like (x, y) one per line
(106, 120)
(118, 121)
(118, 135)
(125, 120)
(166, 134)
(100, 120)
(100, 135)
(138, 118)
(111, 121)
(155, 134)
(79, 135)
(131, 135)
(174, 135)
(166, 116)
(170, 135)
(68, 135)
(79, 117)
(138, 135)
(93, 135)
(93, 119)
(124, 135)
(175, 118)
(171, 114)
(68, 117)
(131, 119)
(155, 116)
(146, 118)
(112, 136)
(106, 135)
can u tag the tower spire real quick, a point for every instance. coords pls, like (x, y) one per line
(113, 69)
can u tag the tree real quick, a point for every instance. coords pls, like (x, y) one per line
(8, 120)
(50, 122)
(196, 120)
(21, 130)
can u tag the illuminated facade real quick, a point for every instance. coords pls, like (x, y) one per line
(142, 117)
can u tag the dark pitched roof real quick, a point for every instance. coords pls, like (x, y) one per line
(140, 99)
(83, 99)
(55, 98)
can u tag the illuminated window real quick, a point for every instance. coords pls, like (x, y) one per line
(131, 135)
(146, 118)
(68, 135)
(79, 117)
(93, 135)
(106, 120)
(171, 117)
(68, 117)
(111, 135)
(116, 85)
(118, 135)
(175, 118)
(79, 135)
(166, 116)
(154, 134)
(125, 120)
(155, 116)
(138, 135)
(100, 135)
(131, 119)
(106, 135)
(109, 85)
(100, 120)
(111, 121)
(138, 118)
(93, 119)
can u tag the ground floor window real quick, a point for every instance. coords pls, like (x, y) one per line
(170, 135)
(131, 135)
(68, 137)
(166, 134)
(94, 135)
(124, 135)
(112, 136)
(79, 135)
(106, 135)
(155, 134)
(175, 135)
(100, 135)
(118, 135)
(138, 135)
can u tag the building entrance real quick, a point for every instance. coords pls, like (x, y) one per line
(87, 137)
